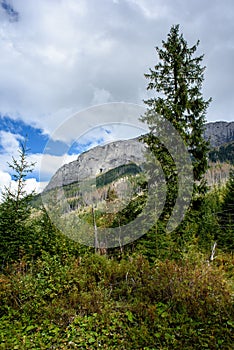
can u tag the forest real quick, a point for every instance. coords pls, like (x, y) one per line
(165, 290)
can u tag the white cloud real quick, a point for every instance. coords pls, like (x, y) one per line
(93, 119)
(31, 185)
(10, 142)
(62, 56)
(5, 180)
(101, 96)
(10, 146)
(47, 164)
(152, 9)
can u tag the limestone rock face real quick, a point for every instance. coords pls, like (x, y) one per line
(219, 133)
(99, 160)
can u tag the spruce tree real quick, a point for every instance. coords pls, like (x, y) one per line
(176, 83)
(15, 210)
(177, 80)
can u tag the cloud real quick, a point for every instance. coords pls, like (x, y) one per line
(80, 53)
(9, 149)
(5, 180)
(13, 15)
(9, 146)
(153, 10)
(47, 164)
(61, 57)
(31, 185)
(101, 96)
(10, 142)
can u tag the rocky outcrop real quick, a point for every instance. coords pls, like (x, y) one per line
(219, 133)
(99, 160)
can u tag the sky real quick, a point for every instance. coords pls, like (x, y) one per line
(60, 58)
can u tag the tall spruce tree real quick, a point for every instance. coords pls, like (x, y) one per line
(177, 79)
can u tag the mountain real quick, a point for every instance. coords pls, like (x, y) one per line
(108, 187)
(98, 161)
(219, 133)
(101, 161)
(90, 191)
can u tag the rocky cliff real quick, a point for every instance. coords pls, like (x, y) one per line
(99, 160)
(219, 133)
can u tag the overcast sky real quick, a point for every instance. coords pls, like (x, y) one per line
(59, 57)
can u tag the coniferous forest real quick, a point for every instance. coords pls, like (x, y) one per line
(166, 290)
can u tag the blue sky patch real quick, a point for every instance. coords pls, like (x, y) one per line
(36, 140)
(56, 148)
(12, 14)
(78, 147)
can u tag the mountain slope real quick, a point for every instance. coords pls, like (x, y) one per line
(103, 159)
(223, 153)
(97, 161)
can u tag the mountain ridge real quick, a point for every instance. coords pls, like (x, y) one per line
(102, 159)
(98, 160)
(219, 132)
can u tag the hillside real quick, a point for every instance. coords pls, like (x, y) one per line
(223, 153)
(97, 161)
(111, 177)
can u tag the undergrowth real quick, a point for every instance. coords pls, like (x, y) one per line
(93, 302)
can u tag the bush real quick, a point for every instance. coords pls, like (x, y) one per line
(92, 301)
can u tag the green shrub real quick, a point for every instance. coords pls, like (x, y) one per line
(93, 301)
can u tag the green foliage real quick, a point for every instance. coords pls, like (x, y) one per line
(67, 297)
(26, 232)
(224, 153)
(177, 79)
(92, 301)
(15, 234)
(116, 173)
(130, 212)
(211, 222)
(169, 170)
(226, 216)
(201, 224)
(48, 239)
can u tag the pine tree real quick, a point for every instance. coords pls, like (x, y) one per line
(177, 79)
(176, 82)
(15, 209)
